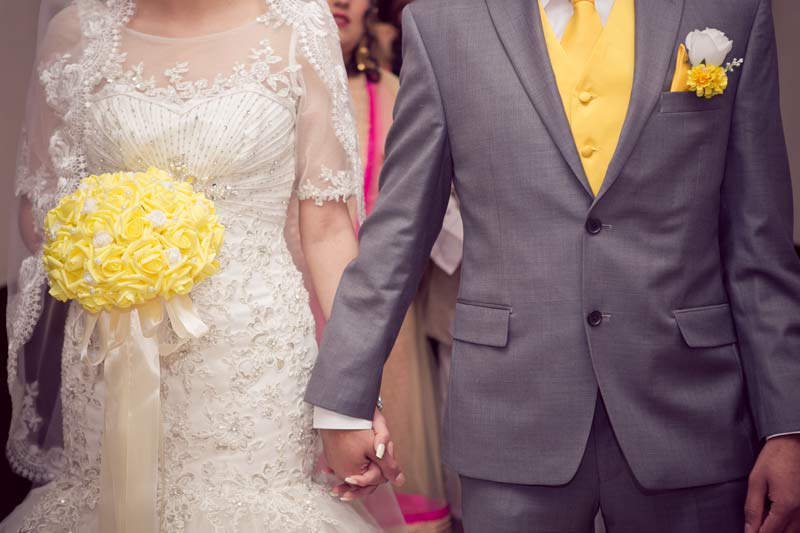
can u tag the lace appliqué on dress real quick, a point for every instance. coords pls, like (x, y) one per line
(318, 37)
(26, 457)
(338, 187)
(178, 89)
(23, 312)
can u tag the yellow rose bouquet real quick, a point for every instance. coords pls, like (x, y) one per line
(122, 240)
(128, 246)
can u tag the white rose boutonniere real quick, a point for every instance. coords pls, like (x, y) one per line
(709, 46)
(707, 52)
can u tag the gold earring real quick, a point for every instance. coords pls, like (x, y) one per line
(362, 55)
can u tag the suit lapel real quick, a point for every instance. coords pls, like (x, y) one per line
(519, 26)
(657, 24)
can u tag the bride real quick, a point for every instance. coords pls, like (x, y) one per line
(249, 98)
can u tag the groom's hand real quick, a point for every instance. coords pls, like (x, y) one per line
(773, 495)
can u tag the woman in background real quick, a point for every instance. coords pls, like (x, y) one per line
(409, 387)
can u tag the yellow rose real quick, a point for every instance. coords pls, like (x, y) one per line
(68, 211)
(178, 280)
(217, 237)
(155, 173)
(109, 265)
(53, 225)
(210, 269)
(132, 225)
(121, 195)
(207, 251)
(78, 258)
(62, 246)
(126, 298)
(52, 251)
(161, 200)
(66, 285)
(58, 286)
(203, 215)
(146, 257)
(101, 220)
(130, 289)
(182, 236)
(51, 262)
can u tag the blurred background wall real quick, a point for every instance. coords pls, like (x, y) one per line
(787, 22)
(18, 20)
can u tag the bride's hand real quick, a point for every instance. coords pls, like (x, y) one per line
(383, 439)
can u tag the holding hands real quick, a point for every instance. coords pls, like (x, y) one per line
(362, 459)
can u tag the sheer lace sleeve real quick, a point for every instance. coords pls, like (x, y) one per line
(45, 164)
(44, 154)
(328, 165)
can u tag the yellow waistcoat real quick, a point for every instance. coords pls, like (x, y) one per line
(596, 97)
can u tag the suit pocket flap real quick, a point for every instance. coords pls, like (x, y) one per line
(706, 327)
(482, 324)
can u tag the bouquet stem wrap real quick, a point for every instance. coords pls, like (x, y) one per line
(130, 348)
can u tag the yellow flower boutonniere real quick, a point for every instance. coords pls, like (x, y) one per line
(707, 51)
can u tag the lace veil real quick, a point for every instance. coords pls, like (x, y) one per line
(35, 321)
(80, 53)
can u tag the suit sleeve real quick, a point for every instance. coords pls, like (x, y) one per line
(762, 269)
(395, 243)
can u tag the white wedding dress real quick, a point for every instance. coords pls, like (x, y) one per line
(254, 114)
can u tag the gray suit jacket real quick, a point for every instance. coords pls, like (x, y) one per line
(675, 292)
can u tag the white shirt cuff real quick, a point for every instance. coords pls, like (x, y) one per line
(325, 419)
(784, 434)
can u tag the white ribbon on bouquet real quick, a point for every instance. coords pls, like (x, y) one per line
(131, 342)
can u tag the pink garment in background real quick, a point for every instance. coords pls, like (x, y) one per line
(370, 179)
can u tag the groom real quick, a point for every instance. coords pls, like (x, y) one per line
(628, 332)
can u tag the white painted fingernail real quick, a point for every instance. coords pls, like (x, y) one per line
(350, 481)
(346, 499)
(334, 493)
(380, 451)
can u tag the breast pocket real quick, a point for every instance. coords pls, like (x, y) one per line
(689, 102)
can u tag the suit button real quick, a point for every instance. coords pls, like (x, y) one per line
(585, 97)
(587, 151)
(595, 318)
(594, 226)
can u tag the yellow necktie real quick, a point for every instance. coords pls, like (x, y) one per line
(582, 32)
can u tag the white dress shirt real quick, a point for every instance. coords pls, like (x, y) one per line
(449, 246)
(559, 13)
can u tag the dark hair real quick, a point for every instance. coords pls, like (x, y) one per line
(363, 59)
